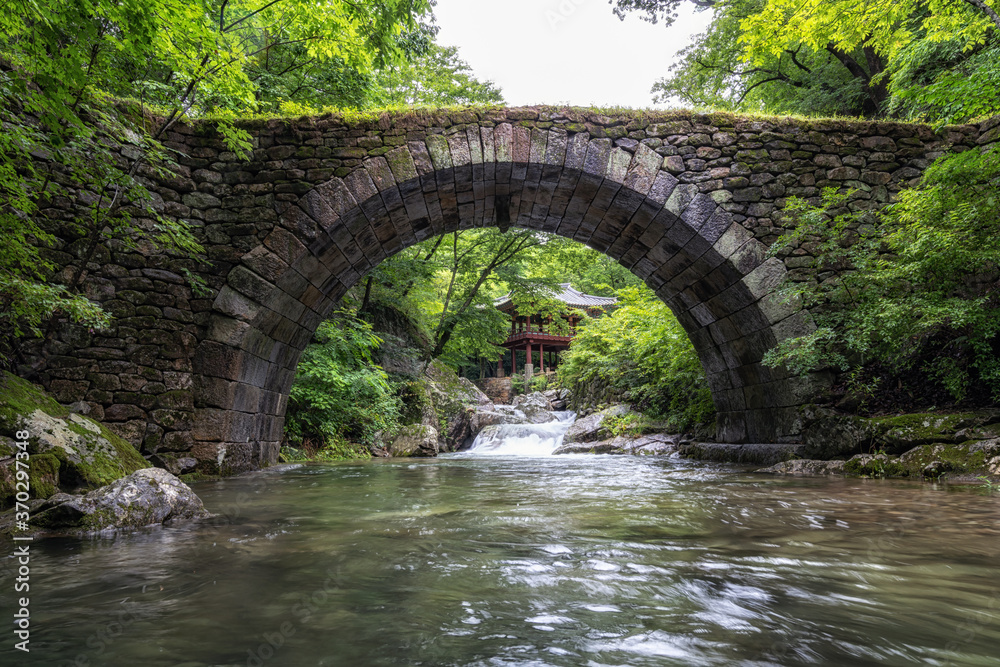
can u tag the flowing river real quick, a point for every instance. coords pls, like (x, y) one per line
(531, 560)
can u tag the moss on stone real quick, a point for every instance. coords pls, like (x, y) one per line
(68, 450)
(19, 398)
(43, 475)
(959, 459)
(876, 465)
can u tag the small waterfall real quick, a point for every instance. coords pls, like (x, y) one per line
(522, 439)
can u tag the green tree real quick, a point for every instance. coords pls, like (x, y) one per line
(438, 77)
(340, 396)
(915, 288)
(63, 62)
(839, 56)
(641, 348)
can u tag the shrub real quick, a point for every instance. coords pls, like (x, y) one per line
(642, 348)
(340, 396)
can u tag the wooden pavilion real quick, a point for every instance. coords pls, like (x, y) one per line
(530, 332)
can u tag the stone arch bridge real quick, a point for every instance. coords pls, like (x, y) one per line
(688, 202)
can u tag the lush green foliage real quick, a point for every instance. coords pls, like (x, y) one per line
(917, 286)
(641, 348)
(88, 89)
(340, 396)
(714, 71)
(438, 77)
(911, 58)
(447, 286)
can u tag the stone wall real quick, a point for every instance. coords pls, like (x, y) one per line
(688, 202)
(499, 390)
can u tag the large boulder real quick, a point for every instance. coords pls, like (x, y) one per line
(455, 401)
(415, 440)
(480, 419)
(536, 407)
(69, 452)
(829, 434)
(592, 428)
(758, 454)
(144, 498)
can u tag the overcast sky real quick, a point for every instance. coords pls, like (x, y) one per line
(564, 51)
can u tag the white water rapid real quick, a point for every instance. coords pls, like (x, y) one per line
(522, 439)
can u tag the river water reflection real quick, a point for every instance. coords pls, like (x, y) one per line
(579, 560)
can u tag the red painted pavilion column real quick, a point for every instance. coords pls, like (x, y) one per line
(541, 357)
(528, 352)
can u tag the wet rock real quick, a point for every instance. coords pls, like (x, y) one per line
(656, 444)
(69, 451)
(173, 463)
(993, 466)
(936, 468)
(876, 465)
(535, 399)
(761, 454)
(613, 446)
(989, 447)
(144, 498)
(592, 428)
(805, 467)
(415, 440)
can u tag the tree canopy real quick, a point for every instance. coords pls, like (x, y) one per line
(836, 57)
(83, 83)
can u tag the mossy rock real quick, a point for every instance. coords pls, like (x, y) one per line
(936, 460)
(876, 465)
(68, 451)
(946, 458)
(904, 432)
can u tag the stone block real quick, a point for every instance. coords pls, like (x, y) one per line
(213, 425)
(765, 278)
(123, 412)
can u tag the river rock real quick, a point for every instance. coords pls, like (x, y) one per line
(537, 399)
(502, 414)
(759, 454)
(557, 398)
(415, 440)
(591, 428)
(936, 468)
(805, 467)
(144, 498)
(69, 451)
(876, 465)
(613, 446)
(455, 401)
(656, 444)
(989, 448)
(993, 466)
(173, 463)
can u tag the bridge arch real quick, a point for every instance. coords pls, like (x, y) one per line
(712, 272)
